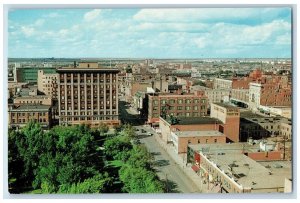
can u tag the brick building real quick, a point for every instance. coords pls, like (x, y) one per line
(181, 139)
(270, 91)
(179, 105)
(20, 115)
(230, 117)
(167, 126)
(33, 100)
(88, 94)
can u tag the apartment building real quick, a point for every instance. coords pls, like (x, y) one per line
(179, 105)
(88, 94)
(47, 83)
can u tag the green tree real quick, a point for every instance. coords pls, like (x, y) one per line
(139, 180)
(96, 184)
(117, 148)
(30, 146)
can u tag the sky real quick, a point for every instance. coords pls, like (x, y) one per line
(150, 33)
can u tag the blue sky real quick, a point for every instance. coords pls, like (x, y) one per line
(150, 33)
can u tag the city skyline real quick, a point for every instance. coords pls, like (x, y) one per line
(150, 33)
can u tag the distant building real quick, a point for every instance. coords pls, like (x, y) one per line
(30, 74)
(214, 95)
(47, 83)
(269, 93)
(178, 105)
(88, 94)
(240, 97)
(19, 115)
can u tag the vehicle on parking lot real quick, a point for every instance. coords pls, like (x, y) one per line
(148, 133)
(143, 131)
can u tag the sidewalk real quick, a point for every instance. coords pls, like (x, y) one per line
(181, 161)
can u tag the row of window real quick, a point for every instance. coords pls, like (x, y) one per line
(75, 87)
(181, 114)
(30, 114)
(202, 107)
(82, 113)
(179, 101)
(25, 120)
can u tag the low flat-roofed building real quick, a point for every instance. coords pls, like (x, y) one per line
(258, 126)
(225, 167)
(20, 115)
(181, 139)
(169, 125)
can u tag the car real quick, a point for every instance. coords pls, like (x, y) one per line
(143, 131)
(148, 133)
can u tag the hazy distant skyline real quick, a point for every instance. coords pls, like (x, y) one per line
(150, 33)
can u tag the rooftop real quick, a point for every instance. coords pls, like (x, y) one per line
(25, 108)
(77, 69)
(225, 148)
(227, 106)
(249, 173)
(196, 120)
(198, 133)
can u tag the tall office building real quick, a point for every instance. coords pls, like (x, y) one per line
(88, 94)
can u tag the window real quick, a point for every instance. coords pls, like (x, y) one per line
(179, 107)
(187, 101)
(187, 108)
(196, 101)
(195, 107)
(215, 140)
(198, 141)
(187, 114)
(179, 101)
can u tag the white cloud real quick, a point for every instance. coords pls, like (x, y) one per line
(205, 14)
(200, 42)
(28, 31)
(284, 39)
(39, 22)
(91, 15)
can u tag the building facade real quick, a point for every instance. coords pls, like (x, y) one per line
(230, 116)
(88, 95)
(20, 115)
(179, 105)
(47, 83)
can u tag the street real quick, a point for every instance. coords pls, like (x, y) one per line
(175, 179)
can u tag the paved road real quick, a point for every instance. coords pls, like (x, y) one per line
(167, 169)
